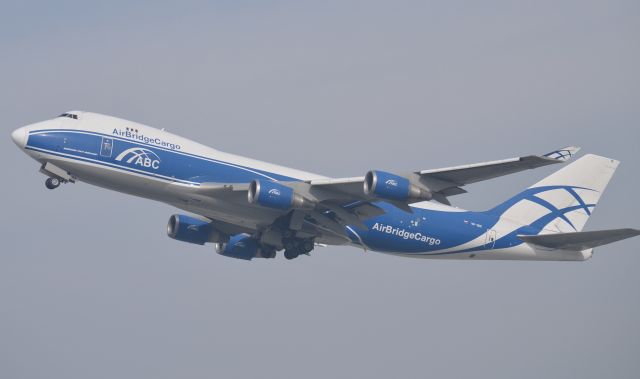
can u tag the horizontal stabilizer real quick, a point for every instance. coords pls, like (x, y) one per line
(579, 241)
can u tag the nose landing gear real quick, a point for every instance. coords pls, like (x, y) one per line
(56, 175)
(52, 183)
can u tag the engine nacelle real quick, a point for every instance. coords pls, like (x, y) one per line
(189, 229)
(275, 195)
(393, 187)
(243, 246)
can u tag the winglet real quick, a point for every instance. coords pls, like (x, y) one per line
(563, 154)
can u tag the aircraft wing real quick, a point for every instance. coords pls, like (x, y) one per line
(338, 203)
(445, 182)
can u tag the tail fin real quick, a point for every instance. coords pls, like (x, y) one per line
(563, 201)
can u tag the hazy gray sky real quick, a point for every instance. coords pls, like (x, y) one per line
(91, 287)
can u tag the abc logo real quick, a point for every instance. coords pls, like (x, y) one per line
(140, 157)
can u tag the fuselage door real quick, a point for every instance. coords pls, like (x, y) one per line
(106, 147)
(490, 239)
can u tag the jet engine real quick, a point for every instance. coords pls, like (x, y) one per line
(243, 246)
(388, 186)
(189, 229)
(275, 195)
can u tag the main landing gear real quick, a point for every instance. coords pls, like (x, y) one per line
(52, 183)
(294, 247)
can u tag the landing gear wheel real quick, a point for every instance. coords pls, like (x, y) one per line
(289, 244)
(52, 183)
(307, 246)
(291, 254)
(268, 253)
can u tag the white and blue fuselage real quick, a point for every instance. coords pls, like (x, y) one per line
(139, 160)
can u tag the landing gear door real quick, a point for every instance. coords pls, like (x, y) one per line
(106, 147)
(490, 240)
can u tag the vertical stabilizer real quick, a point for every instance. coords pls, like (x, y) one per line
(563, 201)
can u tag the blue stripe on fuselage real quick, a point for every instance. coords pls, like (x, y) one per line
(161, 162)
(426, 231)
(421, 231)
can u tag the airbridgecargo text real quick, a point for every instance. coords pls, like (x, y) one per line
(405, 234)
(144, 139)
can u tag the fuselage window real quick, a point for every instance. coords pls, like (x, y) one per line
(73, 116)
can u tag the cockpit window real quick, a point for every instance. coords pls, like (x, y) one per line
(70, 115)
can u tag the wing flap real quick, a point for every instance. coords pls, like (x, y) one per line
(578, 241)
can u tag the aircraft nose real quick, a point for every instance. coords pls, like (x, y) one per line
(19, 137)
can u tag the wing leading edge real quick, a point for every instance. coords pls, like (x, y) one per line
(445, 182)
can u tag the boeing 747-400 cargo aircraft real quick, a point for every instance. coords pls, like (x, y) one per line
(252, 209)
